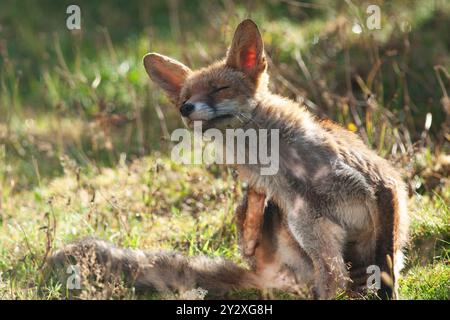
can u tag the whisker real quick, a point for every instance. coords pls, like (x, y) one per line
(237, 117)
(249, 119)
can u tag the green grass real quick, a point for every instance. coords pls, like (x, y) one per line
(139, 206)
(83, 145)
(431, 282)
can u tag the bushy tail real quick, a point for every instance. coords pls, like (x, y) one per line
(150, 271)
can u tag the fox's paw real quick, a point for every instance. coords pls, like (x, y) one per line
(250, 247)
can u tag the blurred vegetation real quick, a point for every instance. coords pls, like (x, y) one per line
(78, 114)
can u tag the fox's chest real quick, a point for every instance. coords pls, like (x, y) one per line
(275, 187)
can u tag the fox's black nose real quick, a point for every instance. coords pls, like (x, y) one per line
(186, 109)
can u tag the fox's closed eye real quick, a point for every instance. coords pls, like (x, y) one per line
(216, 90)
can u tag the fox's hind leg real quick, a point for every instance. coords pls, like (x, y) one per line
(253, 221)
(381, 246)
(323, 240)
(278, 261)
(390, 239)
(360, 254)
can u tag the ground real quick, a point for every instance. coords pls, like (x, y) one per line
(153, 203)
(84, 135)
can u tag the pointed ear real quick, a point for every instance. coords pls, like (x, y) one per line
(246, 53)
(167, 73)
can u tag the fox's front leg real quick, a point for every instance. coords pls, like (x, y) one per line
(254, 216)
(323, 241)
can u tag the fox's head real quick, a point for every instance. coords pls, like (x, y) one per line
(221, 95)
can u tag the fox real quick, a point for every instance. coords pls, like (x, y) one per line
(339, 199)
(333, 209)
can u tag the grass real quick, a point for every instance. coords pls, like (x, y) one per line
(135, 206)
(427, 283)
(84, 144)
(138, 206)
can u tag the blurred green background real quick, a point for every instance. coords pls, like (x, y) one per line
(76, 103)
(86, 94)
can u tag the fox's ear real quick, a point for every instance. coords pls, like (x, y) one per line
(166, 72)
(247, 50)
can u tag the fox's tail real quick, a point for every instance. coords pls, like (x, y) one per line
(150, 271)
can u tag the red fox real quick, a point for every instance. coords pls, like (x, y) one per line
(333, 209)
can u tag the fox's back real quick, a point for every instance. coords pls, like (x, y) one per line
(318, 143)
